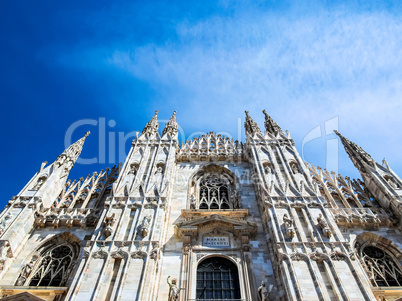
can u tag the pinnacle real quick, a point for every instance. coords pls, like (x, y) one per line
(250, 125)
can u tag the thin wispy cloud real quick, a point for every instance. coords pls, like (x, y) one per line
(305, 62)
(304, 69)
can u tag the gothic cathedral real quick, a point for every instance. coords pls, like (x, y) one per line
(207, 219)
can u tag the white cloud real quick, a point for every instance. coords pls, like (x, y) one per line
(303, 69)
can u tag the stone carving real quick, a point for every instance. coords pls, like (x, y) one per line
(5, 249)
(100, 254)
(295, 169)
(2, 264)
(270, 125)
(193, 202)
(297, 256)
(251, 126)
(171, 126)
(267, 169)
(119, 254)
(26, 270)
(337, 255)
(236, 199)
(288, 222)
(144, 227)
(139, 254)
(318, 256)
(322, 223)
(158, 176)
(152, 125)
(174, 291)
(210, 145)
(154, 254)
(109, 221)
(263, 292)
(39, 183)
(392, 183)
(133, 169)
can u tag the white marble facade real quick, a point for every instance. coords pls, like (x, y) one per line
(253, 216)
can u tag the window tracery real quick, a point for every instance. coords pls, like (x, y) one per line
(213, 193)
(213, 188)
(381, 268)
(54, 267)
(52, 264)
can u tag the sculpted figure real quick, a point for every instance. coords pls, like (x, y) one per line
(27, 269)
(158, 177)
(324, 226)
(193, 202)
(392, 183)
(39, 183)
(263, 292)
(287, 221)
(295, 169)
(236, 199)
(290, 231)
(145, 226)
(321, 221)
(133, 169)
(174, 291)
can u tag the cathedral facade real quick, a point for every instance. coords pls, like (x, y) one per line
(207, 219)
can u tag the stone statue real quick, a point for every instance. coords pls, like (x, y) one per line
(144, 228)
(321, 221)
(290, 231)
(193, 202)
(39, 183)
(263, 292)
(287, 221)
(174, 291)
(133, 169)
(324, 226)
(267, 169)
(295, 169)
(158, 177)
(236, 199)
(392, 183)
(27, 269)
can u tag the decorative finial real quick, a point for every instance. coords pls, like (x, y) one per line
(152, 125)
(355, 152)
(87, 134)
(171, 126)
(270, 125)
(250, 125)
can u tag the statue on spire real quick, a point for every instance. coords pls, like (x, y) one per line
(71, 154)
(355, 152)
(152, 125)
(270, 125)
(171, 126)
(250, 125)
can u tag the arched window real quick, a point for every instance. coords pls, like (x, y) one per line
(381, 268)
(217, 278)
(54, 267)
(52, 263)
(214, 187)
(214, 193)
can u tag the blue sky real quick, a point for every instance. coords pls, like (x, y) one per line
(313, 65)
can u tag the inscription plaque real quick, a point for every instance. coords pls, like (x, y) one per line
(216, 241)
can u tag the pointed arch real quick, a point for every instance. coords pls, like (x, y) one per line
(214, 187)
(380, 259)
(52, 262)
